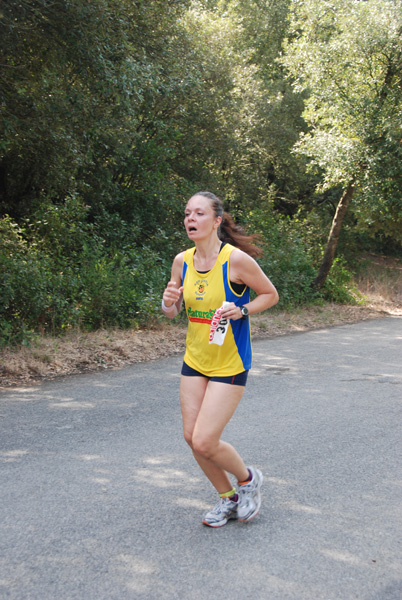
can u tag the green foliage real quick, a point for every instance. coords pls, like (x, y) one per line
(289, 267)
(338, 286)
(23, 285)
(123, 290)
(90, 288)
(114, 112)
(286, 260)
(346, 56)
(292, 250)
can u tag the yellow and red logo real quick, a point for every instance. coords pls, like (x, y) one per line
(200, 288)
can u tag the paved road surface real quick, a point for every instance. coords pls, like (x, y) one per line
(100, 497)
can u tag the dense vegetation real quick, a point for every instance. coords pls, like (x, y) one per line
(113, 112)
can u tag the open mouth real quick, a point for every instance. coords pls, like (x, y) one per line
(192, 229)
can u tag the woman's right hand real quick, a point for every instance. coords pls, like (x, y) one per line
(172, 293)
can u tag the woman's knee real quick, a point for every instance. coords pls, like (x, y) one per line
(188, 436)
(199, 444)
(204, 446)
(188, 433)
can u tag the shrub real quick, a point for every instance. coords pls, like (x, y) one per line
(338, 286)
(23, 283)
(91, 288)
(286, 260)
(121, 290)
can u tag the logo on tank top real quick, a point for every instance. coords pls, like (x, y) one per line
(200, 288)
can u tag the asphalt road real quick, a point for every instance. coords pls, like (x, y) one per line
(101, 499)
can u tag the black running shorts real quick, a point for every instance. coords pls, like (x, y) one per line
(239, 379)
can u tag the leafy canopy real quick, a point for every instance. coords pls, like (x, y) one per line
(347, 56)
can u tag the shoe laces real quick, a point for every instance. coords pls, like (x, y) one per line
(221, 506)
(246, 488)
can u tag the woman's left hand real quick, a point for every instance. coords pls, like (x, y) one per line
(231, 311)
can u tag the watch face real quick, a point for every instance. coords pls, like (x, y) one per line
(244, 311)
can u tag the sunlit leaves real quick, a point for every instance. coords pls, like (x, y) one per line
(347, 56)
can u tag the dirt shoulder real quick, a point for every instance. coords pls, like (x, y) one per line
(79, 352)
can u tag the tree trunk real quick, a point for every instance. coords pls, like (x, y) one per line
(333, 237)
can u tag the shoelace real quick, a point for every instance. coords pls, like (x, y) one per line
(218, 509)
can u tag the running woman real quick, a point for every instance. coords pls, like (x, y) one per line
(214, 278)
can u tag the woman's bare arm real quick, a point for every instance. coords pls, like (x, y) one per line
(172, 298)
(244, 269)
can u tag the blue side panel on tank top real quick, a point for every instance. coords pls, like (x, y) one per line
(240, 327)
(184, 272)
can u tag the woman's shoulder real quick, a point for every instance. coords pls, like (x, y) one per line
(182, 256)
(177, 267)
(238, 256)
(186, 254)
(227, 249)
(178, 259)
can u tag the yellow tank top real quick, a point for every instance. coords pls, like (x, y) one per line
(203, 294)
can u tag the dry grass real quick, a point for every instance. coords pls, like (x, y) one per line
(380, 281)
(78, 352)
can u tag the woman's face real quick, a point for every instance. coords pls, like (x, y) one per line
(199, 218)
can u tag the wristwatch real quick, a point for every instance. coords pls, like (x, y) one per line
(244, 312)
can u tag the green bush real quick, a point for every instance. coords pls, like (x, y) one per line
(90, 288)
(338, 286)
(22, 285)
(122, 290)
(37, 295)
(286, 260)
(293, 251)
(58, 272)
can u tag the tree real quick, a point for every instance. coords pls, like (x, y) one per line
(82, 84)
(261, 169)
(347, 56)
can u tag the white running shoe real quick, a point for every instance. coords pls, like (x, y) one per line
(250, 496)
(224, 510)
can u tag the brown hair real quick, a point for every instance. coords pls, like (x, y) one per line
(230, 232)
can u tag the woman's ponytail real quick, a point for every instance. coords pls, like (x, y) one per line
(237, 236)
(232, 233)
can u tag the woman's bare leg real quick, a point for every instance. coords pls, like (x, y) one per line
(207, 407)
